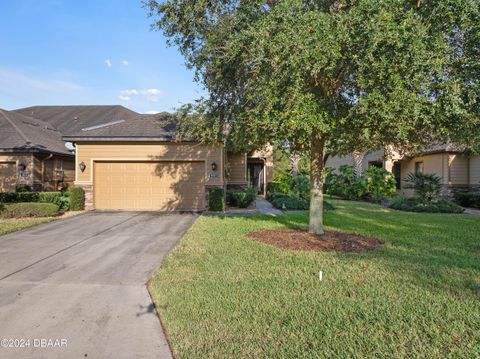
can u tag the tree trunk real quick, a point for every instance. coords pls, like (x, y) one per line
(316, 183)
(294, 161)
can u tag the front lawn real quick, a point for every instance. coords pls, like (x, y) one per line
(222, 295)
(17, 224)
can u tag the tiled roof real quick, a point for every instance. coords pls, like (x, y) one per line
(26, 134)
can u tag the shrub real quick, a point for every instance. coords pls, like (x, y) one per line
(77, 199)
(282, 201)
(427, 186)
(216, 199)
(29, 209)
(15, 197)
(277, 187)
(346, 184)
(380, 184)
(415, 204)
(23, 188)
(58, 198)
(467, 199)
(243, 199)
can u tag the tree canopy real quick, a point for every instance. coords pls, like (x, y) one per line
(352, 75)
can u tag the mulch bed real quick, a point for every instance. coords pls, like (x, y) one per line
(300, 239)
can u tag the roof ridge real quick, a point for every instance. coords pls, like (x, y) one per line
(20, 132)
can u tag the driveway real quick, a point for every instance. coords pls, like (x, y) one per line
(83, 279)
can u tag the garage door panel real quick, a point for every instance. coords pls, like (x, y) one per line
(149, 185)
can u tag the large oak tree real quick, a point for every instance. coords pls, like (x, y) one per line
(350, 75)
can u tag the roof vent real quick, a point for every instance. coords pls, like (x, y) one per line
(102, 125)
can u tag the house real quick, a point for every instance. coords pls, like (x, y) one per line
(33, 153)
(126, 160)
(457, 169)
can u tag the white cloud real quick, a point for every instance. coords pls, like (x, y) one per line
(151, 112)
(129, 92)
(108, 62)
(125, 62)
(26, 88)
(151, 95)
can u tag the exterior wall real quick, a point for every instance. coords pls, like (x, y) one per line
(237, 168)
(359, 161)
(474, 171)
(21, 177)
(89, 152)
(39, 171)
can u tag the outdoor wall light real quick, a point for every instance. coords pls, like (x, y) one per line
(214, 166)
(82, 166)
(22, 166)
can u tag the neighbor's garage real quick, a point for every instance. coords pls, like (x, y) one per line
(146, 185)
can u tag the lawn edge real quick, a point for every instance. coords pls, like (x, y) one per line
(54, 219)
(162, 324)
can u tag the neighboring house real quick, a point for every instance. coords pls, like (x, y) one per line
(125, 160)
(456, 168)
(33, 153)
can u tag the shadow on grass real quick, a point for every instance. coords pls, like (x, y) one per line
(434, 251)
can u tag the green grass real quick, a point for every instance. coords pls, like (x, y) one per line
(13, 225)
(221, 295)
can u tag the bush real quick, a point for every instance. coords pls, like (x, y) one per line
(58, 198)
(415, 204)
(23, 188)
(277, 187)
(282, 201)
(467, 199)
(15, 197)
(29, 209)
(77, 199)
(346, 184)
(427, 186)
(243, 199)
(381, 184)
(216, 199)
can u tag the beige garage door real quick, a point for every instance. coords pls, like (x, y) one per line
(8, 176)
(149, 185)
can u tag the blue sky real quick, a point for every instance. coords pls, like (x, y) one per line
(88, 52)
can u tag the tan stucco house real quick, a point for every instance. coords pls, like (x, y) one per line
(125, 160)
(32, 153)
(457, 169)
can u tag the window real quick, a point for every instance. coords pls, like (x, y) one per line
(418, 167)
(397, 172)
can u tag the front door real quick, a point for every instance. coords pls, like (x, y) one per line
(256, 176)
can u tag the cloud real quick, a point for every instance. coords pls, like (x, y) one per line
(151, 95)
(21, 89)
(129, 92)
(108, 63)
(151, 112)
(125, 62)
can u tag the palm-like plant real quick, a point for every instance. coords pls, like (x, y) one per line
(427, 186)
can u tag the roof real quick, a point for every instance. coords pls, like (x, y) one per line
(158, 127)
(21, 133)
(72, 119)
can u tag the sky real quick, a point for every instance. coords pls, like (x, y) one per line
(88, 52)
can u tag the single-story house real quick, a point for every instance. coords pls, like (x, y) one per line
(126, 160)
(33, 153)
(457, 169)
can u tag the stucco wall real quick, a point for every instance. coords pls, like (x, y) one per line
(237, 168)
(89, 152)
(474, 170)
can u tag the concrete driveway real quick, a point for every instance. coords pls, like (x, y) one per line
(81, 281)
